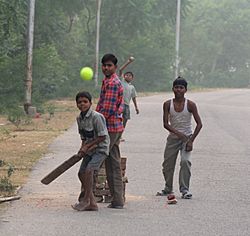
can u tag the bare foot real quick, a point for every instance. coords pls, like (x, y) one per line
(80, 206)
(74, 206)
(91, 208)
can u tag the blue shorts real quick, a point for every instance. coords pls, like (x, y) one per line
(92, 162)
(126, 112)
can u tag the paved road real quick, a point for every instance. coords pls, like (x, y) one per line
(220, 183)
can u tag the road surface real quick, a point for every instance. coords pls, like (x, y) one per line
(220, 179)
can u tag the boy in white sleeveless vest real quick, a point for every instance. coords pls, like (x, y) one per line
(177, 115)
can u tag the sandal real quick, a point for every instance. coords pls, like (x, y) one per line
(162, 193)
(171, 199)
(186, 195)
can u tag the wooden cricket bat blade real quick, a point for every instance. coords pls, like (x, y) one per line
(61, 169)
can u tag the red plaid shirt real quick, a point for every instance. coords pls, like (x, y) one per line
(111, 103)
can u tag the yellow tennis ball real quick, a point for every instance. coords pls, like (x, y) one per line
(86, 73)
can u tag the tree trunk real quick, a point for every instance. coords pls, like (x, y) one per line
(28, 82)
(99, 2)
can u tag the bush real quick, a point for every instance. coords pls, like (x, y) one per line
(16, 115)
(6, 186)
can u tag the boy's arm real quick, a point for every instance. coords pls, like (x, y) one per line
(91, 145)
(193, 109)
(131, 59)
(166, 108)
(134, 95)
(135, 104)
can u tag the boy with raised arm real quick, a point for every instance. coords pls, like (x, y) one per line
(129, 91)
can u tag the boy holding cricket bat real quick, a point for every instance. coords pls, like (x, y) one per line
(95, 149)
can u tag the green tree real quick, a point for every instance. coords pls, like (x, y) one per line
(64, 42)
(215, 45)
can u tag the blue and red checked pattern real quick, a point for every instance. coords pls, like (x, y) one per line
(111, 103)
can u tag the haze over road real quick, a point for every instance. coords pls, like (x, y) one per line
(220, 179)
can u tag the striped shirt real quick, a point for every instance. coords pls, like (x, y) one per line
(111, 103)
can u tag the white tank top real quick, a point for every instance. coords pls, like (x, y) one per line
(180, 121)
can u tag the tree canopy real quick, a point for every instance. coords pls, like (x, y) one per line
(214, 47)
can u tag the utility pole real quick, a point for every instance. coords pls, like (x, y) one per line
(177, 38)
(99, 2)
(28, 82)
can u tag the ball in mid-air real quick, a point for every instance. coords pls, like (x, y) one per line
(86, 73)
(131, 58)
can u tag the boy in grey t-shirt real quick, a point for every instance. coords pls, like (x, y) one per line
(129, 91)
(95, 149)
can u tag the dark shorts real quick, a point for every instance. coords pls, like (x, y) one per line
(92, 162)
(126, 112)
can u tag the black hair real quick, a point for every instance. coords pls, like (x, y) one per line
(129, 72)
(109, 57)
(83, 94)
(180, 81)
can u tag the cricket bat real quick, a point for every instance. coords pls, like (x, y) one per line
(61, 169)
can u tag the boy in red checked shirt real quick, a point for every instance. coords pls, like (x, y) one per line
(111, 104)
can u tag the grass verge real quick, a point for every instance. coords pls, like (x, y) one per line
(23, 145)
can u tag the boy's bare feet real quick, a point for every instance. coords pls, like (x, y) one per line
(81, 206)
(91, 208)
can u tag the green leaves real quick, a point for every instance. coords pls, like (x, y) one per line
(214, 47)
(64, 42)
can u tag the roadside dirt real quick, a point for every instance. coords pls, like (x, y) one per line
(22, 146)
